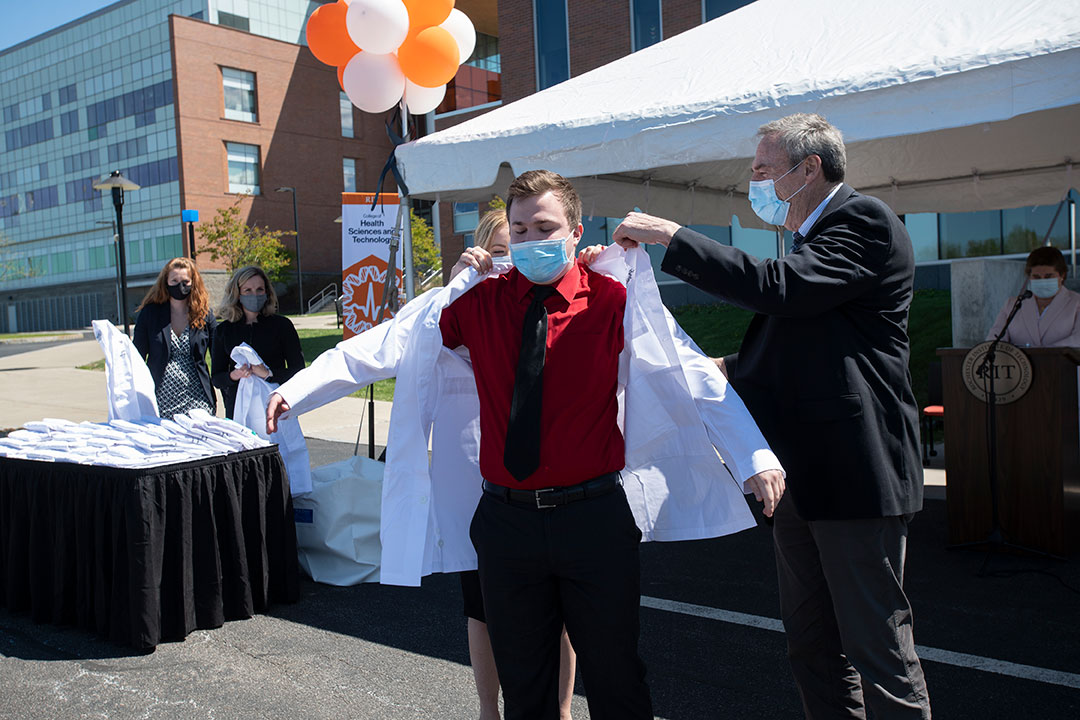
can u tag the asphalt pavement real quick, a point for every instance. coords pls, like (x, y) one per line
(999, 634)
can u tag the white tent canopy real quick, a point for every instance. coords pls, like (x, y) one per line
(944, 106)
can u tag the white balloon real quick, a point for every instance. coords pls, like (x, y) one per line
(460, 26)
(421, 100)
(377, 26)
(374, 83)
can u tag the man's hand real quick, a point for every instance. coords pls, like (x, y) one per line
(588, 255)
(768, 488)
(721, 365)
(640, 228)
(474, 257)
(275, 408)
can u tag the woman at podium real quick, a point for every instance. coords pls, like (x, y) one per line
(1051, 316)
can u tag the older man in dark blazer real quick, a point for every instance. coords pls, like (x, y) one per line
(824, 370)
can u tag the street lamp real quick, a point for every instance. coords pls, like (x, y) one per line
(296, 235)
(116, 256)
(118, 184)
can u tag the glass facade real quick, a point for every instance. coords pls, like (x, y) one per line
(78, 102)
(346, 108)
(93, 96)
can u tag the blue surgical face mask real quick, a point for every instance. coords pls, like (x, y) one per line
(766, 204)
(1044, 287)
(541, 261)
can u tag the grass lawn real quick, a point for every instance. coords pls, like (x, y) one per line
(314, 341)
(719, 329)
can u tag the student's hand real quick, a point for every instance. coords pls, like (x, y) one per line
(275, 409)
(474, 257)
(588, 255)
(639, 228)
(721, 365)
(768, 487)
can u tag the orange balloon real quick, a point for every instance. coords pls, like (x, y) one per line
(426, 13)
(431, 58)
(327, 36)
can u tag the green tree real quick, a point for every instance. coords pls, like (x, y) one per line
(496, 203)
(237, 244)
(11, 266)
(425, 253)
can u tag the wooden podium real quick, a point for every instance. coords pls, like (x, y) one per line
(1038, 444)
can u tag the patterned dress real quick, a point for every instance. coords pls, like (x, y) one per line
(180, 389)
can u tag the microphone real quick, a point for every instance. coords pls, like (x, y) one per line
(1023, 296)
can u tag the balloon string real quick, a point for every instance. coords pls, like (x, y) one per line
(391, 162)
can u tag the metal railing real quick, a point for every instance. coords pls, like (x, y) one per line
(324, 296)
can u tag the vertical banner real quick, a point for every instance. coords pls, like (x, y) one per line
(365, 253)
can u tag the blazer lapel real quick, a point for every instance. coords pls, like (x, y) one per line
(1053, 311)
(842, 196)
(1028, 317)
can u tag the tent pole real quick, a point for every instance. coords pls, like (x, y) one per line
(1072, 233)
(406, 226)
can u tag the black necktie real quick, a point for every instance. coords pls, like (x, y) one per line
(796, 241)
(521, 455)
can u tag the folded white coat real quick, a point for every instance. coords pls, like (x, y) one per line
(252, 396)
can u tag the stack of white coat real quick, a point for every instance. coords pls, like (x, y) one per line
(149, 442)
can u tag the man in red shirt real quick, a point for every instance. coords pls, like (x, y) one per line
(555, 538)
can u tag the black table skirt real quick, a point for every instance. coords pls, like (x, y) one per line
(145, 556)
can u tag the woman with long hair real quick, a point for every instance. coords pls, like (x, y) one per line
(249, 315)
(173, 332)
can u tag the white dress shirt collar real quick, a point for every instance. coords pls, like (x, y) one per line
(808, 223)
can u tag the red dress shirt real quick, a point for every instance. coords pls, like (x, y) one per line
(579, 436)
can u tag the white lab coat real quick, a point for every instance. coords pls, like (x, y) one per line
(675, 408)
(252, 395)
(129, 385)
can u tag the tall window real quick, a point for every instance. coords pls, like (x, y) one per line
(346, 116)
(239, 89)
(552, 43)
(712, 9)
(348, 171)
(243, 168)
(645, 23)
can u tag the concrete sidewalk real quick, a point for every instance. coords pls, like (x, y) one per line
(47, 382)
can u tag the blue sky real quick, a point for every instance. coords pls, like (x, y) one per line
(35, 17)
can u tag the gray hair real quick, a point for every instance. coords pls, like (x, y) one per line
(802, 135)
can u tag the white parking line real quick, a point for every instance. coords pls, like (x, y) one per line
(947, 657)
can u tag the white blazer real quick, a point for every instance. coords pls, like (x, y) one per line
(1058, 326)
(676, 412)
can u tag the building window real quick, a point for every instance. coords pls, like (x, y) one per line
(234, 21)
(69, 122)
(712, 9)
(348, 168)
(239, 90)
(645, 23)
(552, 43)
(346, 116)
(466, 217)
(68, 94)
(478, 81)
(243, 168)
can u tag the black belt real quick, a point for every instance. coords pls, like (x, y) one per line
(555, 496)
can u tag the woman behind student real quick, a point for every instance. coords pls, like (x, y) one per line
(249, 315)
(173, 331)
(493, 235)
(1052, 317)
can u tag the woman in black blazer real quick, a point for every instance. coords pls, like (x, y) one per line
(249, 315)
(173, 332)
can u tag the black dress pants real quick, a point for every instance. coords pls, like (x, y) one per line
(578, 565)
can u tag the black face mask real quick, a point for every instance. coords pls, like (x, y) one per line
(180, 291)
